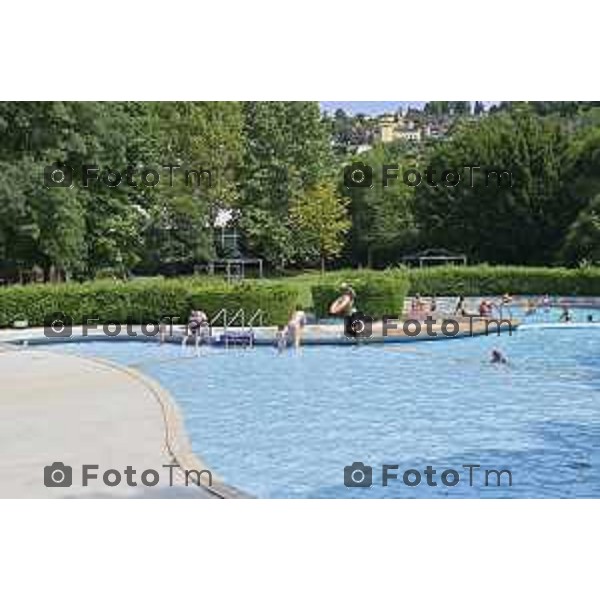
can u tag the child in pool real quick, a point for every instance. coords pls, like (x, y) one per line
(281, 338)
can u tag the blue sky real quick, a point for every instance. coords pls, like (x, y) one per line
(375, 107)
(368, 107)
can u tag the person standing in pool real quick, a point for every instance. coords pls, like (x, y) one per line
(196, 328)
(281, 338)
(296, 325)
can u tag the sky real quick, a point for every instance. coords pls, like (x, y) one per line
(368, 107)
(376, 107)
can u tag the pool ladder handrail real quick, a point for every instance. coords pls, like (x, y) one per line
(240, 313)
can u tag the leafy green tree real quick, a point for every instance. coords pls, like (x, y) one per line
(39, 226)
(84, 229)
(287, 151)
(191, 136)
(582, 242)
(319, 219)
(382, 215)
(267, 235)
(488, 218)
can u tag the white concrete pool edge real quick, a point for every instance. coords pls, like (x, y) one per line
(47, 415)
(177, 442)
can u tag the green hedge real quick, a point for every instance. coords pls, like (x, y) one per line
(486, 280)
(377, 293)
(145, 301)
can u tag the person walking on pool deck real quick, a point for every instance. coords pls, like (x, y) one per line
(296, 325)
(344, 305)
(460, 307)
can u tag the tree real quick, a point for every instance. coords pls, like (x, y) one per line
(287, 151)
(487, 218)
(191, 136)
(582, 242)
(320, 219)
(382, 216)
(267, 235)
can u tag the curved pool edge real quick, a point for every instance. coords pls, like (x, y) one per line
(177, 441)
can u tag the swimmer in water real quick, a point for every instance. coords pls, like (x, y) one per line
(566, 315)
(498, 358)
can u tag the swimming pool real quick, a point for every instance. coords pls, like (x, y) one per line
(287, 425)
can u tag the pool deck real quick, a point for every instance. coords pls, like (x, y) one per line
(58, 407)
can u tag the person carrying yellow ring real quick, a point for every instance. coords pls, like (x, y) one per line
(343, 306)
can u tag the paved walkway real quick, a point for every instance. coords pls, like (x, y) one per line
(58, 407)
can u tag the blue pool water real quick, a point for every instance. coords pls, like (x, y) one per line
(286, 425)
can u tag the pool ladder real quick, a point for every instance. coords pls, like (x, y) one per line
(247, 326)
